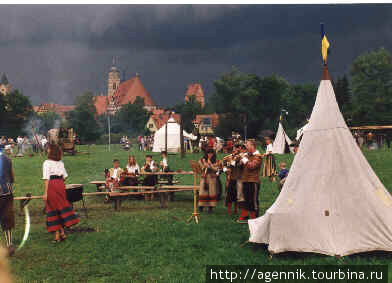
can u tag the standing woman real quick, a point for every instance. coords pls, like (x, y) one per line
(208, 187)
(59, 212)
(269, 169)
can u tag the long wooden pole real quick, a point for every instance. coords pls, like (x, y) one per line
(182, 138)
(166, 137)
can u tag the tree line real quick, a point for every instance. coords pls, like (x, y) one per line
(246, 103)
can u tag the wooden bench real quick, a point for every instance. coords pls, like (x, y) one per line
(99, 184)
(161, 190)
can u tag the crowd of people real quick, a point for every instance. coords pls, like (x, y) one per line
(145, 143)
(372, 140)
(22, 144)
(242, 168)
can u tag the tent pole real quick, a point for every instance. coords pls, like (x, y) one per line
(166, 137)
(181, 138)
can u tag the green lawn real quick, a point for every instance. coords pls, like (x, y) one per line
(143, 243)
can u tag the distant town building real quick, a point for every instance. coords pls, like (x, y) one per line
(197, 91)
(121, 93)
(206, 123)
(158, 119)
(5, 87)
(61, 110)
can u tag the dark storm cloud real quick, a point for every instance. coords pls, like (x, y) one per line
(54, 53)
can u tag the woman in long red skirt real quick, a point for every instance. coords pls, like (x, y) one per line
(59, 212)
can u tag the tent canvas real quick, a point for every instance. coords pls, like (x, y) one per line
(332, 201)
(281, 142)
(173, 137)
(300, 132)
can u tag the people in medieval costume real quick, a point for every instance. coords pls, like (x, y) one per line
(233, 172)
(251, 182)
(208, 189)
(132, 172)
(149, 180)
(113, 176)
(7, 218)
(59, 212)
(240, 166)
(269, 169)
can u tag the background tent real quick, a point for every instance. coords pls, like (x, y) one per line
(173, 137)
(281, 142)
(332, 202)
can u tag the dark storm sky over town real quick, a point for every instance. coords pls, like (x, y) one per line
(54, 53)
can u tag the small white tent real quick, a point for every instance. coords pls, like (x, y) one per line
(332, 202)
(173, 137)
(281, 141)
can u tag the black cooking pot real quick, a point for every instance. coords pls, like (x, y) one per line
(74, 192)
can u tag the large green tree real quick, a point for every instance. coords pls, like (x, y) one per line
(17, 112)
(298, 101)
(255, 101)
(83, 118)
(188, 111)
(131, 119)
(343, 96)
(372, 88)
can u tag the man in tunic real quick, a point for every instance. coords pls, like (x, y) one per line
(7, 219)
(251, 182)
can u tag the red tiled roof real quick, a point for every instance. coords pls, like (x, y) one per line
(101, 104)
(59, 109)
(129, 90)
(158, 111)
(197, 91)
(161, 119)
(214, 119)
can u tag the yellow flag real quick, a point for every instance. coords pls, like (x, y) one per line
(324, 48)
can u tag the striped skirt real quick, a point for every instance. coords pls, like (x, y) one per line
(208, 191)
(59, 212)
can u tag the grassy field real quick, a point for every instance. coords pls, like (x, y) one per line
(142, 242)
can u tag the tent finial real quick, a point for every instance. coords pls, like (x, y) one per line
(325, 76)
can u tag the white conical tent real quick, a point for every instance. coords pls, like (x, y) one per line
(173, 137)
(281, 141)
(332, 202)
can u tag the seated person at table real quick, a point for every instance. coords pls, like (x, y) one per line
(282, 175)
(165, 168)
(113, 176)
(132, 171)
(149, 166)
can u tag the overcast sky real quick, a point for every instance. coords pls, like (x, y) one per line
(54, 53)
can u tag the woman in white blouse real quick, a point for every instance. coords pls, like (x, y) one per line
(59, 212)
(269, 169)
(133, 171)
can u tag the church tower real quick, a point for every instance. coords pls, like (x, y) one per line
(113, 81)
